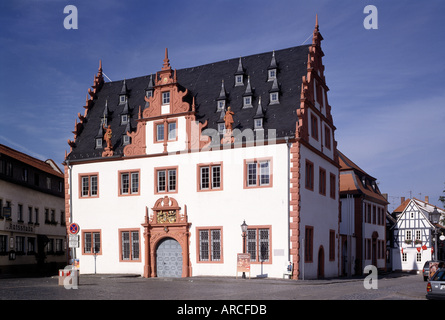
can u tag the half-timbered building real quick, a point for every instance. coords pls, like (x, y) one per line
(164, 168)
(413, 234)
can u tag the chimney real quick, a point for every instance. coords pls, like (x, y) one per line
(402, 200)
(427, 199)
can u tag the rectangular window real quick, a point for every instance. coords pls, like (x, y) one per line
(129, 183)
(258, 173)
(333, 190)
(221, 104)
(165, 98)
(308, 244)
(31, 245)
(314, 127)
(264, 173)
(418, 235)
(309, 181)
(210, 177)
(419, 257)
(160, 132)
(89, 185)
(166, 180)
(251, 174)
(322, 181)
(91, 242)
(130, 248)
(258, 123)
(258, 244)
(274, 98)
(3, 244)
(327, 137)
(247, 101)
(221, 128)
(210, 245)
(172, 131)
(20, 244)
(408, 235)
(165, 130)
(331, 245)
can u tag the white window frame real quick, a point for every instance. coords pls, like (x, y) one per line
(258, 123)
(172, 131)
(165, 98)
(220, 105)
(274, 98)
(210, 177)
(271, 74)
(239, 80)
(247, 101)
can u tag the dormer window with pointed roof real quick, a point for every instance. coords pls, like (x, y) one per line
(150, 87)
(272, 69)
(247, 96)
(274, 93)
(259, 116)
(221, 100)
(125, 137)
(99, 138)
(123, 95)
(221, 124)
(125, 114)
(239, 75)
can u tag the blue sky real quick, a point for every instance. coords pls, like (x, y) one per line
(386, 85)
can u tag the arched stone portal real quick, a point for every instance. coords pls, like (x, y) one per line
(166, 228)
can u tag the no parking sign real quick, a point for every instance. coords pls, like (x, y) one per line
(73, 228)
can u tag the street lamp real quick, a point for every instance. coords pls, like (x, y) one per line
(244, 234)
(434, 218)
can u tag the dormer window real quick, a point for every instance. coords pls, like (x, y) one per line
(221, 127)
(274, 98)
(124, 119)
(125, 139)
(221, 105)
(272, 69)
(239, 80)
(247, 102)
(104, 122)
(274, 93)
(99, 143)
(258, 123)
(149, 93)
(122, 99)
(272, 74)
(239, 74)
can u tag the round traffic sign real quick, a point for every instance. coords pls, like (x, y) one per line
(74, 228)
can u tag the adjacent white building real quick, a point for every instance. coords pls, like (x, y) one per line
(362, 220)
(413, 234)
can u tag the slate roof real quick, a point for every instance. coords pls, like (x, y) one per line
(204, 83)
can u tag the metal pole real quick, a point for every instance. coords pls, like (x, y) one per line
(244, 251)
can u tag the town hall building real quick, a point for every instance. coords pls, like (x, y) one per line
(164, 169)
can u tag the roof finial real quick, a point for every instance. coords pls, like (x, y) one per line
(166, 65)
(316, 21)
